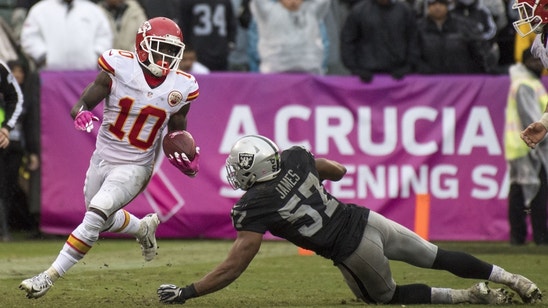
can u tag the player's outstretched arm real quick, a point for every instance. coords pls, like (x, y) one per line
(330, 169)
(243, 251)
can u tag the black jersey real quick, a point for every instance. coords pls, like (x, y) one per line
(295, 206)
(210, 27)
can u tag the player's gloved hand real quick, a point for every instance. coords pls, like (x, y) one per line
(170, 294)
(84, 120)
(187, 166)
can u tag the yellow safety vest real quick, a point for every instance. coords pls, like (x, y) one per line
(513, 145)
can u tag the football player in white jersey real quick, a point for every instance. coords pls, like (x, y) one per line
(143, 93)
(533, 18)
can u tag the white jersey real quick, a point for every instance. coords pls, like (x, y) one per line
(539, 50)
(135, 114)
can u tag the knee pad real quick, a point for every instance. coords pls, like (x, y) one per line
(91, 227)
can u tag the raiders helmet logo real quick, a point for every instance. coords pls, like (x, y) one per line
(245, 160)
(174, 98)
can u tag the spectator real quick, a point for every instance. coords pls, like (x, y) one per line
(18, 16)
(167, 8)
(497, 8)
(337, 13)
(527, 99)
(289, 35)
(480, 14)
(238, 59)
(379, 36)
(477, 12)
(124, 16)
(444, 37)
(247, 22)
(66, 34)
(190, 63)
(9, 48)
(209, 26)
(11, 107)
(505, 37)
(29, 139)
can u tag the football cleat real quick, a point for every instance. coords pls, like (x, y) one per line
(147, 236)
(526, 289)
(36, 286)
(480, 293)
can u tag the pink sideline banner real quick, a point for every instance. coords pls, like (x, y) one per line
(438, 135)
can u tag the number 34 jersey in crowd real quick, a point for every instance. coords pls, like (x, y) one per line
(135, 114)
(295, 206)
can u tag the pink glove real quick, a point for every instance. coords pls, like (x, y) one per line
(187, 166)
(84, 120)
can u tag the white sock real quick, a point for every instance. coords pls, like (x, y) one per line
(78, 244)
(499, 275)
(125, 222)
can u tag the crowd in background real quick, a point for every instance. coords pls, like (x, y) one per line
(324, 37)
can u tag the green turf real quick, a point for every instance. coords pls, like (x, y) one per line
(113, 274)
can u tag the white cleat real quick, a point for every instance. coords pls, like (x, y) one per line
(36, 286)
(526, 289)
(480, 293)
(147, 236)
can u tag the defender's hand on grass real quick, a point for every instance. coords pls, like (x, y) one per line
(170, 294)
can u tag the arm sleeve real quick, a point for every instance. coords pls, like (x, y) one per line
(528, 105)
(13, 97)
(261, 8)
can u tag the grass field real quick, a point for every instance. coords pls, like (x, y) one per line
(114, 274)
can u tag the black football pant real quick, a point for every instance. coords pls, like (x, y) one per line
(517, 213)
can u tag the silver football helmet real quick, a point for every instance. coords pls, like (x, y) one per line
(252, 159)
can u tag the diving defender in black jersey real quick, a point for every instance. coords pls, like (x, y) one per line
(285, 196)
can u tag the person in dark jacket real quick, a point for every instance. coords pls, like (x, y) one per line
(444, 37)
(11, 107)
(379, 36)
(210, 26)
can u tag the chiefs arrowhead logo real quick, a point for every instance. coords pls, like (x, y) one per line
(174, 98)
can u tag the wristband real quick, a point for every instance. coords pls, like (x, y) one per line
(544, 120)
(189, 292)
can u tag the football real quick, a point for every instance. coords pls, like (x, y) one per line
(181, 142)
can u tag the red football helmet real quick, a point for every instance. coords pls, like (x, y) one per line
(533, 15)
(159, 45)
